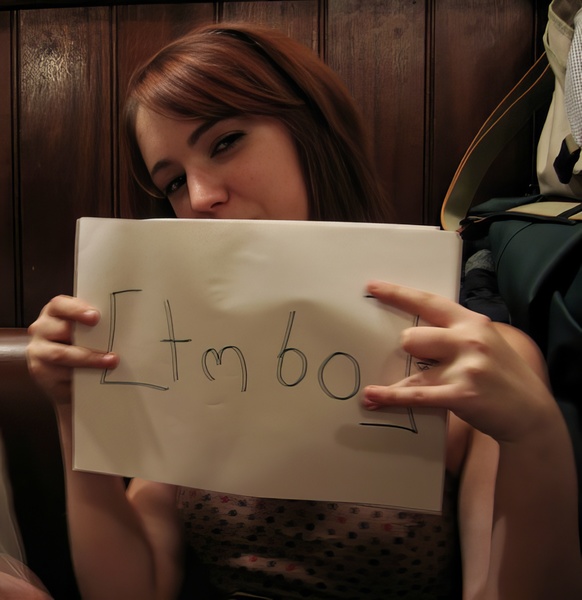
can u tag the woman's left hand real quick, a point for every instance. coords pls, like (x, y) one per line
(480, 370)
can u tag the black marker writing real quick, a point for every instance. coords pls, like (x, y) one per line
(325, 372)
(411, 420)
(110, 346)
(323, 385)
(172, 340)
(304, 363)
(218, 359)
(284, 350)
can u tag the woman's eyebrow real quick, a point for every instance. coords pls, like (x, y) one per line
(192, 140)
(201, 130)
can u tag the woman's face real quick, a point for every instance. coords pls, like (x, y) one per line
(236, 168)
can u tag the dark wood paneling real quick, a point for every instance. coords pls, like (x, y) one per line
(377, 47)
(65, 141)
(9, 4)
(481, 49)
(8, 259)
(299, 19)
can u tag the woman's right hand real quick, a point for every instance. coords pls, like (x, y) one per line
(50, 354)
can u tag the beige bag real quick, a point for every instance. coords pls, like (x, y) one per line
(557, 41)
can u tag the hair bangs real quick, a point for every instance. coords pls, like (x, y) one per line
(210, 83)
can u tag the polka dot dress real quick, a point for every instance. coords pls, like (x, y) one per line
(288, 549)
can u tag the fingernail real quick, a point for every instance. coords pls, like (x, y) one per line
(370, 404)
(372, 393)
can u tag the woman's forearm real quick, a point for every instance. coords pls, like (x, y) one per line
(535, 544)
(111, 553)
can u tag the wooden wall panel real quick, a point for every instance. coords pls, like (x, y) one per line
(481, 49)
(299, 19)
(65, 141)
(8, 222)
(378, 49)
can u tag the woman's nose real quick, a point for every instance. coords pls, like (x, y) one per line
(206, 192)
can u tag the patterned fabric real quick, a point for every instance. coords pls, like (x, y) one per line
(291, 549)
(573, 82)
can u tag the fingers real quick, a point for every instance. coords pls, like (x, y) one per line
(408, 393)
(57, 317)
(52, 364)
(472, 408)
(50, 354)
(69, 356)
(430, 344)
(431, 308)
(487, 375)
(458, 332)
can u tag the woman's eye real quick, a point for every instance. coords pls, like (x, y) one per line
(174, 185)
(227, 142)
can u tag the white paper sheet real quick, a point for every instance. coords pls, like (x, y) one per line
(244, 348)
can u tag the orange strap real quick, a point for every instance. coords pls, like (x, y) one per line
(532, 91)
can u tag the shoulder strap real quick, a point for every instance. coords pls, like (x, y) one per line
(532, 91)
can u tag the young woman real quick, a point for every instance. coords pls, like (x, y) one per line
(241, 122)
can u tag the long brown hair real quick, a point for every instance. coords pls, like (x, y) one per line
(226, 70)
